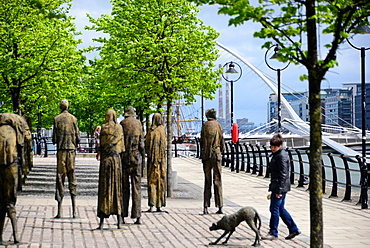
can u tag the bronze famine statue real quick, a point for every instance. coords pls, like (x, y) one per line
(131, 164)
(66, 136)
(155, 147)
(212, 145)
(14, 133)
(110, 176)
(228, 223)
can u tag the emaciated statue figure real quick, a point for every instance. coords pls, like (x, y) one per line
(110, 177)
(131, 164)
(66, 136)
(14, 133)
(155, 147)
(212, 145)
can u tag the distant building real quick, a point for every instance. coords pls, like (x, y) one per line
(337, 106)
(244, 125)
(273, 106)
(357, 103)
(300, 106)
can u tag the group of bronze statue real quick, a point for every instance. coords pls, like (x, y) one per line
(121, 149)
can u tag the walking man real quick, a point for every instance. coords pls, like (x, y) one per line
(279, 186)
(131, 164)
(212, 145)
(66, 136)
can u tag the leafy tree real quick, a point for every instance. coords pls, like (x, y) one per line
(157, 52)
(40, 63)
(284, 23)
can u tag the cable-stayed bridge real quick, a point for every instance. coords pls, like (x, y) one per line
(334, 137)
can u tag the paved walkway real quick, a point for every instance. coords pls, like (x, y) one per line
(183, 225)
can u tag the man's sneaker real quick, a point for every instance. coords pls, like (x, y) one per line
(293, 234)
(269, 236)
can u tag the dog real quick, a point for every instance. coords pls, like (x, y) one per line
(228, 223)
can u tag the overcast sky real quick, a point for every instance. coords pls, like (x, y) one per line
(250, 92)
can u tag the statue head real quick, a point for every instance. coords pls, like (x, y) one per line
(64, 104)
(211, 114)
(130, 111)
(157, 120)
(110, 116)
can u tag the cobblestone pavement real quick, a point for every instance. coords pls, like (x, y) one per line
(182, 225)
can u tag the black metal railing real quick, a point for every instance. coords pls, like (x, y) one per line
(337, 170)
(43, 146)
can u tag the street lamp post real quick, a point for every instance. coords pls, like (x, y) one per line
(278, 70)
(230, 69)
(364, 169)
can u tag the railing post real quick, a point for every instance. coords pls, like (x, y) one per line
(363, 182)
(236, 145)
(267, 175)
(176, 155)
(323, 178)
(347, 194)
(38, 145)
(291, 165)
(242, 167)
(260, 171)
(254, 168)
(248, 169)
(197, 146)
(46, 147)
(232, 167)
(91, 144)
(334, 190)
(301, 169)
(227, 164)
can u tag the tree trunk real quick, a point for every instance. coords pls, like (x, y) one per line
(169, 148)
(316, 191)
(315, 156)
(16, 91)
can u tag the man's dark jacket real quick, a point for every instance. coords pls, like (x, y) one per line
(279, 167)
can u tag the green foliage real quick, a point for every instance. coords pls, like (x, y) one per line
(157, 51)
(39, 61)
(285, 23)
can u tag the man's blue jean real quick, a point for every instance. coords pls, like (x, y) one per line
(277, 210)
